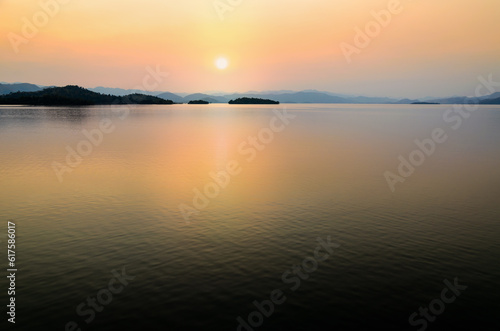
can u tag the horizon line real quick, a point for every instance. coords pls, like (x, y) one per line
(223, 93)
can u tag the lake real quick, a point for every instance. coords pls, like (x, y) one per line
(330, 217)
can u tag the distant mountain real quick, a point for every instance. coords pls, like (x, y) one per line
(452, 100)
(171, 96)
(367, 100)
(463, 100)
(205, 97)
(193, 97)
(269, 92)
(296, 97)
(253, 101)
(75, 95)
(495, 101)
(406, 102)
(325, 92)
(283, 96)
(308, 97)
(491, 96)
(120, 91)
(19, 87)
(314, 96)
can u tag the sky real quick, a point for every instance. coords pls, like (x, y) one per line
(416, 48)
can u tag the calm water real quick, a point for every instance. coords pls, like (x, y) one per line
(321, 176)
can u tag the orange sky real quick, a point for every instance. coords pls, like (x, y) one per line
(430, 48)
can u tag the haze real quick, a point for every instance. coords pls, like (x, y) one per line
(431, 48)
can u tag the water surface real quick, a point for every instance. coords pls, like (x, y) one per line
(321, 176)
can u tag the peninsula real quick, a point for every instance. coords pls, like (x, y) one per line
(72, 95)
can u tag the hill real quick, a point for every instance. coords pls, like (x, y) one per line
(198, 102)
(75, 95)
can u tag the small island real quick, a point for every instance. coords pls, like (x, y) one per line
(425, 103)
(253, 101)
(198, 102)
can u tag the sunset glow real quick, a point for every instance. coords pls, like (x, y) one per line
(250, 165)
(428, 47)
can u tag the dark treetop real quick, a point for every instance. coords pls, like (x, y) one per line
(198, 102)
(253, 101)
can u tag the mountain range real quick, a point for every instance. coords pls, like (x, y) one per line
(284, 96)
(18, 87)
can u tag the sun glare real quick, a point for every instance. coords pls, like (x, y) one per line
(221, 63)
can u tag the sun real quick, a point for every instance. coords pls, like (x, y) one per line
(221, 63)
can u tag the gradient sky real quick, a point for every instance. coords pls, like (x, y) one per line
(432, 48)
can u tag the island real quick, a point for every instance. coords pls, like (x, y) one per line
(73, 95)
(198, 102)
(253, 101)
(425, 103)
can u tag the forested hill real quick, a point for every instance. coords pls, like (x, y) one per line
(75, 95)
(253, 101)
